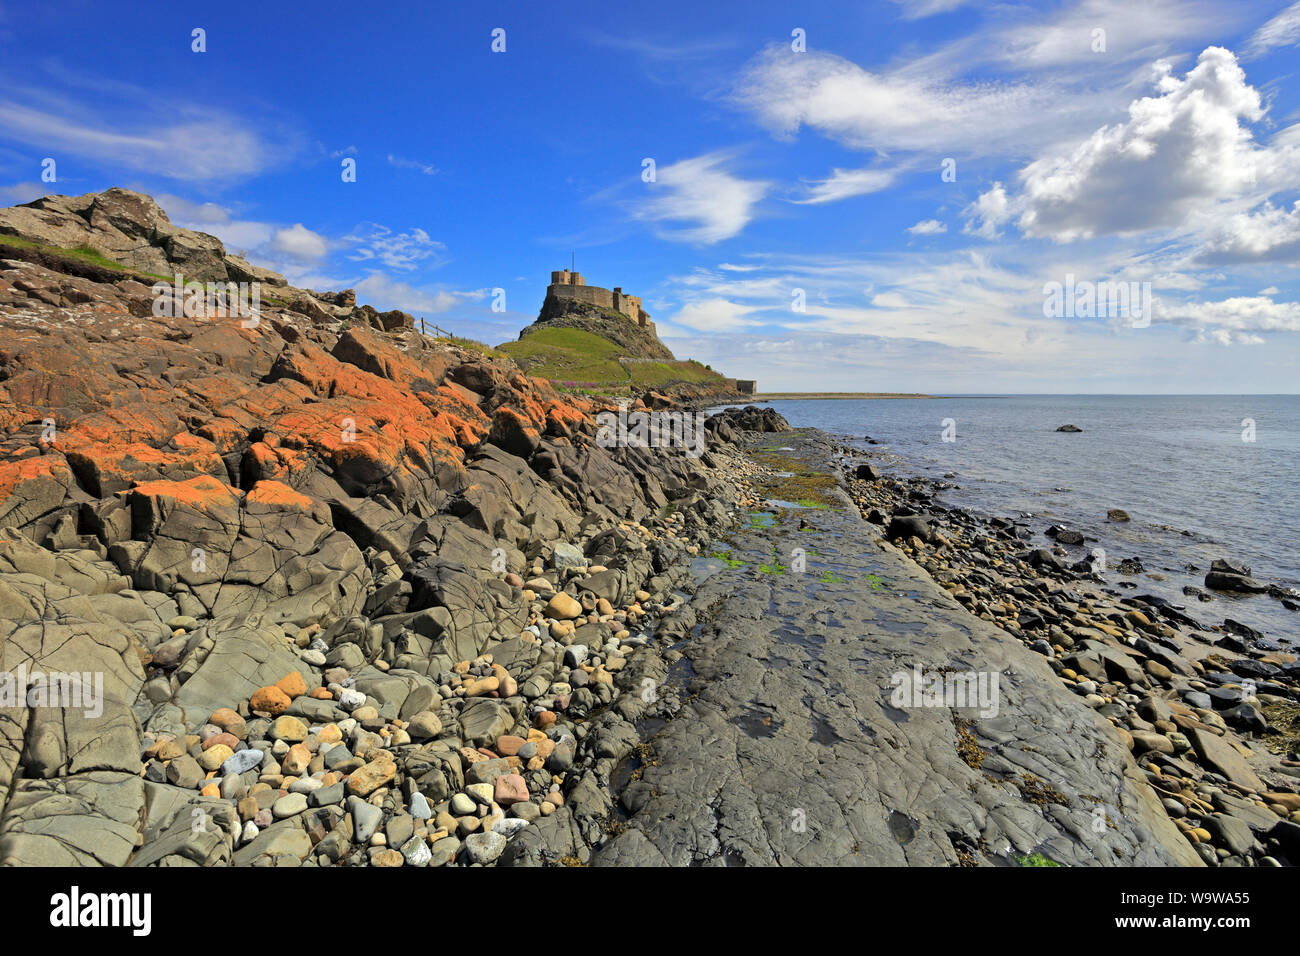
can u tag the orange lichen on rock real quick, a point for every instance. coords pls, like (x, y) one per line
(203, 493)
(276, 494)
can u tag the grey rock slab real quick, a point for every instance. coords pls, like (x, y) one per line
(796, 751)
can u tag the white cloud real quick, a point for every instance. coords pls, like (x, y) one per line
(714, 203)
(1282, 30)
(1269, 234)
(384, 293)
(1130, 31)
(1181, 154)
(928, 227)
(299, 242)
(402, 250)
(903, 109)
(1238, 317)
(714, 315)
(846, 183)
(243, 236)
(183, 210)
(986, 215)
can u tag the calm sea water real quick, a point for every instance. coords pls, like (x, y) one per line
(1177, 464)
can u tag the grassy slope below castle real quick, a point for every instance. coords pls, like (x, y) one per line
(577, 360)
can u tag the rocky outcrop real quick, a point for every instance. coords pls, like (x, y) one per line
(132, 230)
(303, 560)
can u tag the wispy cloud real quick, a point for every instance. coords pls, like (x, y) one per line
(1281, 31)
(428, 169)
(847, 183)
(919, 9)
(703, 200)
(140, 130)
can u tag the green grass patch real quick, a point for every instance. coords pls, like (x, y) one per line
(584, 363)
(662, 374)
(1035, 859)
(83, 252)
(571, 357)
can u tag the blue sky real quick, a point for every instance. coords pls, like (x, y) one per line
(1107, 140)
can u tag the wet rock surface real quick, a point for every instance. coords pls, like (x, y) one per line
(790, 752)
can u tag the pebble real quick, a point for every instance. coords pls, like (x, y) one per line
(484, 847)
(463, 804)
(416, 852)
(289, 805)
(366, 818)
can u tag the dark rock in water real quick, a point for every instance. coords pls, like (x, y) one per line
(752, 418)
(1069, 428)
(876, 516)
(1227, 576)
(867, 473)
(1130, 566)
(1117, 514)
(1223, 566)
(1064, 535)
(907, 526)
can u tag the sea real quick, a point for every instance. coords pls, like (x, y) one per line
(1201, 477)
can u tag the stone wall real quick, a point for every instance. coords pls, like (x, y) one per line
(571, 285)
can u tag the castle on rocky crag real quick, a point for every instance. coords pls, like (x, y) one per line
(572, 286)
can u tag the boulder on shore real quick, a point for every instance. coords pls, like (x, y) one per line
(1227, 576)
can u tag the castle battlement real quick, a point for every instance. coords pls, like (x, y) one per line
(572, 286)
